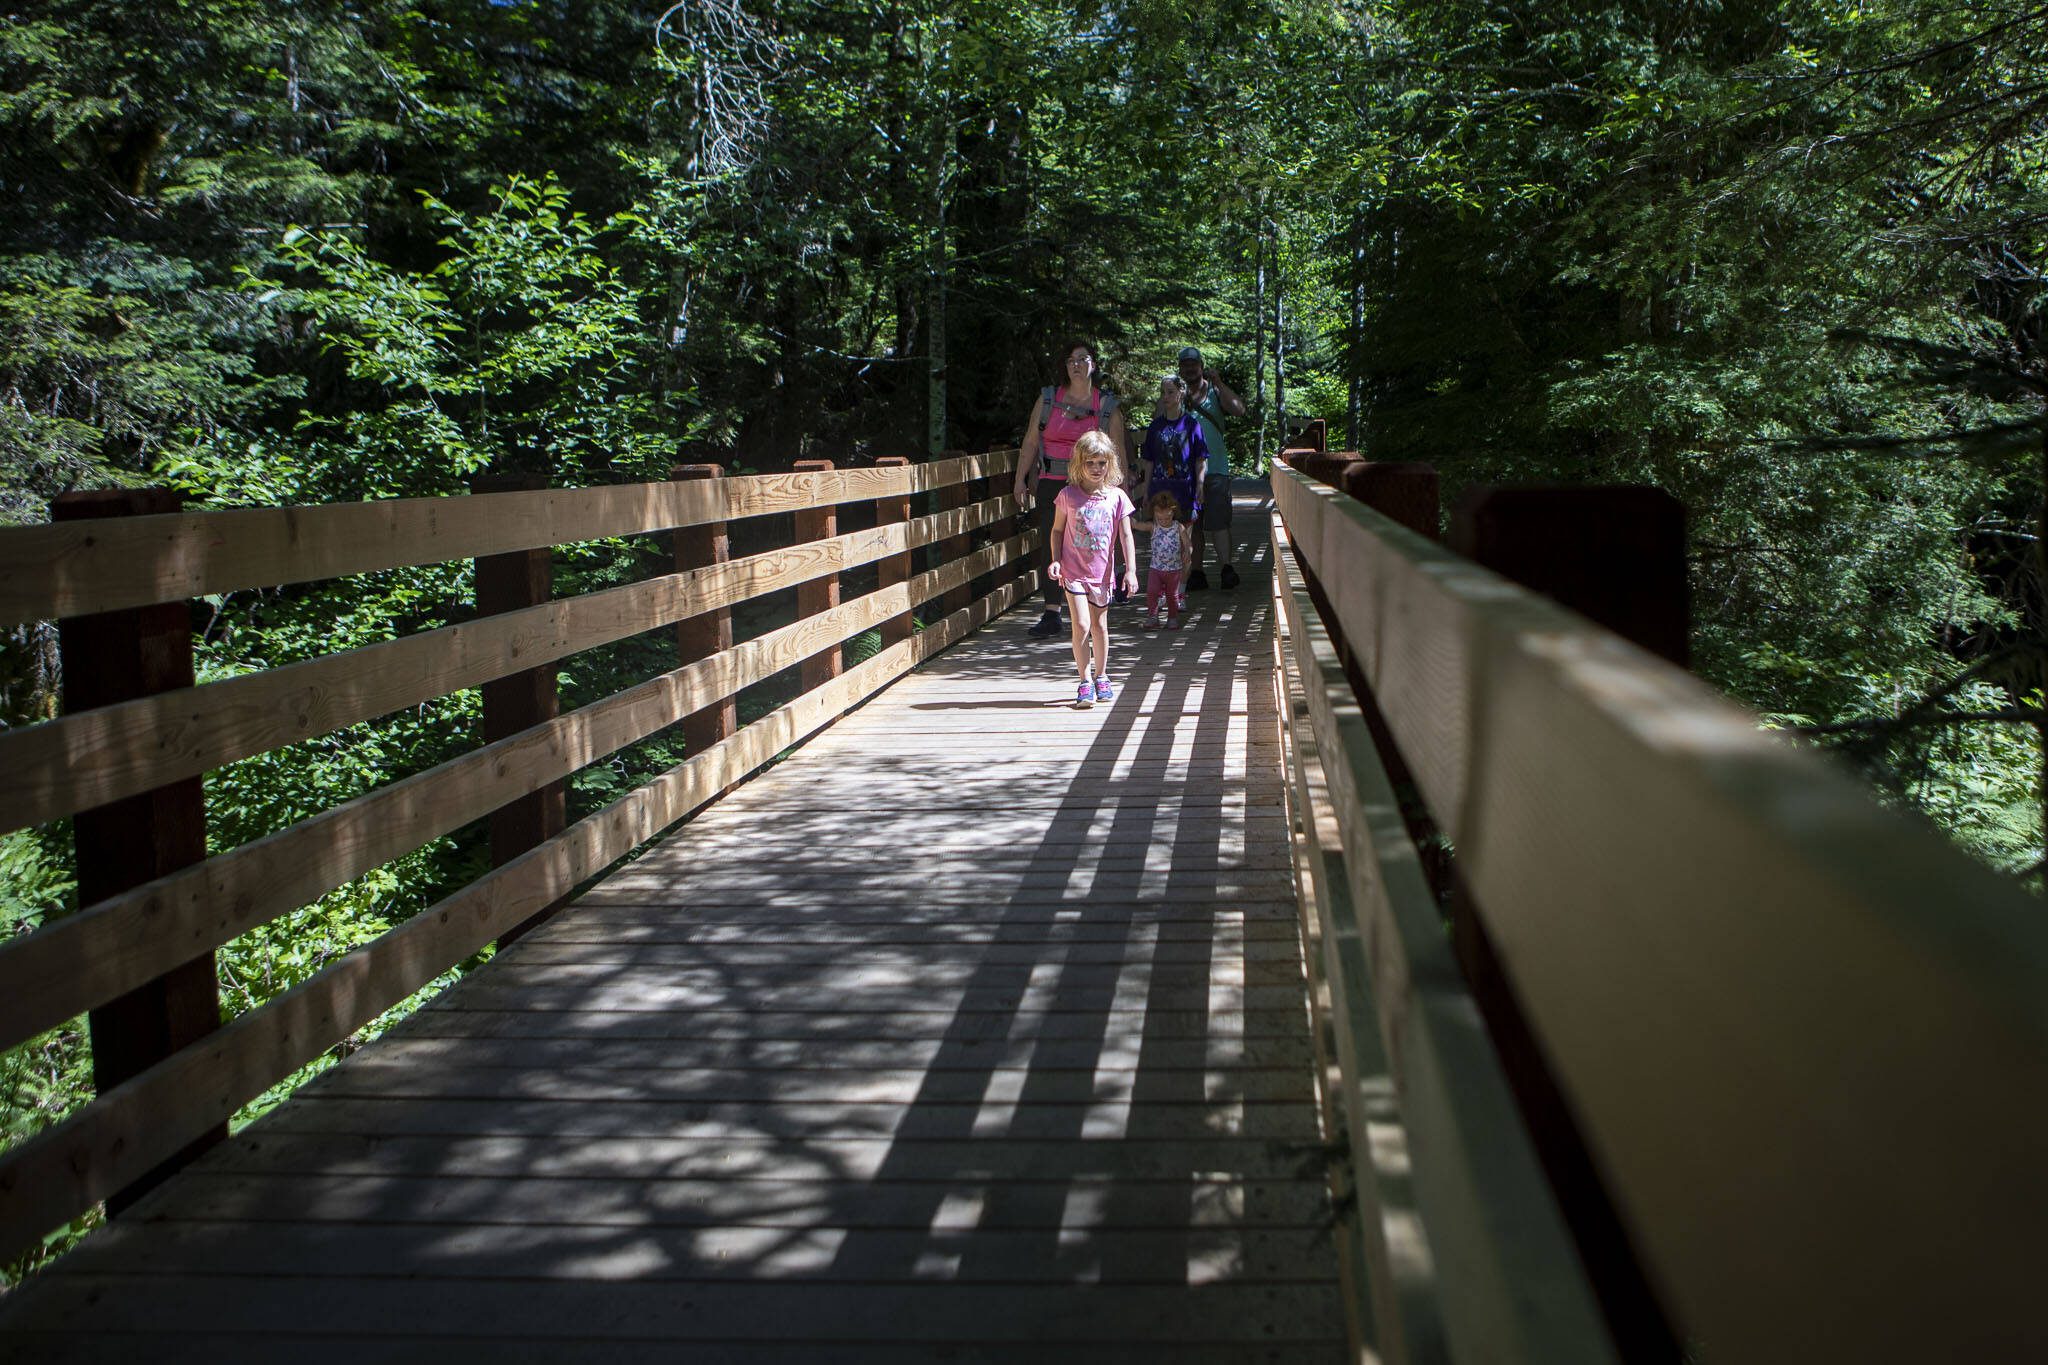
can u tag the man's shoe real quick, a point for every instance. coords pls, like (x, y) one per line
(1048, 624)
(1198, 581)
(1229, 576)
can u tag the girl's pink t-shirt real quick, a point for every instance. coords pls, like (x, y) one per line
(1093, 521)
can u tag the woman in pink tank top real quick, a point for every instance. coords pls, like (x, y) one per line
(1062, 414)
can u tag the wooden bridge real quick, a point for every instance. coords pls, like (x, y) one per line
(1404, 968)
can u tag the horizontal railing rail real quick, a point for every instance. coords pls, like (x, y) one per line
(1804, 1039)
(109, 949)
(1461, 1251)
(71, 568)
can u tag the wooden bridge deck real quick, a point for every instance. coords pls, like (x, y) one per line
(973, 1031)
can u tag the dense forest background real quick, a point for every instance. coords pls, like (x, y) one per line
(1782, 259)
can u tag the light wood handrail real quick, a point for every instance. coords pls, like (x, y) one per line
(1805, 1039)
(1491, 1273)
(84, 959)
(93, 757)
(64, 1170)
(72, 568)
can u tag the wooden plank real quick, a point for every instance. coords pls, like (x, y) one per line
(902, 1314)
(714, 1122)
(943, 1204)
(394, 1344)
(1194, 1164)
(410, 1073)
(1388, 1266)
(114, 751)
(67, 1168)
(419, 1046)
(118, 943)
(484, 1016)
(1507, 1285)
(709, 1253)
(1562, 760)
(64, 570)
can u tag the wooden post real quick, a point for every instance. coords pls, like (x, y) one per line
(893, 511)
(952, 497)
(519, 701)
(708, 632)
(111, 657)
(1405, 490)
(1330, 466)
(820, 594)
(1615, 554)
(1007, 571)
(1313, 435)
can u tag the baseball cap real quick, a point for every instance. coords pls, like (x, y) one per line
(1190, 353)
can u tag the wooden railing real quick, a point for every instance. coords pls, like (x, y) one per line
(1803, 1041)
(118, 768)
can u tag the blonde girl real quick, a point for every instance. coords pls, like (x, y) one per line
(1091, 521)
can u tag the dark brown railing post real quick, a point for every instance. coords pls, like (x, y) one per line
(1329, 467)
(519, 701)
(819, 594)
(1615, 554)
(1004, 528)
(893, 511)
(708, 632)
(1405, 490)
(951, 498)
(111, 657)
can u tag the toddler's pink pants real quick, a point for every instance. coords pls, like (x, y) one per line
(1162, 585)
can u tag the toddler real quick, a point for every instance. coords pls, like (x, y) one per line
(1091, 520)
(1172, 552)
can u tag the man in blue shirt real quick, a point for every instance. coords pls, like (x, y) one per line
(1210, 399)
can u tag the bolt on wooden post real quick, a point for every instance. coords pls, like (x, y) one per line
(893, 510)
(952, 498)
(708, 632)
(519, 701)
(111, 657)
(819, 594)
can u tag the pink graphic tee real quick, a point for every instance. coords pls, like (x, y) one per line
(1093, 520)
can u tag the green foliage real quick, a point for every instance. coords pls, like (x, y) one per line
(1783, 260)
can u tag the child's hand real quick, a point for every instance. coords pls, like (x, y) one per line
(1053, 571)
(1130, 580)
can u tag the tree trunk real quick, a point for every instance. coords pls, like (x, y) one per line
(935, 323)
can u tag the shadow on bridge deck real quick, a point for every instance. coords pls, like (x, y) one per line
(974, 1031)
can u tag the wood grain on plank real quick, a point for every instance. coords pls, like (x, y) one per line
(67, 569)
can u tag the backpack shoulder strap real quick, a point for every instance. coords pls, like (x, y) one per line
(1105, 405)
(1044, 408)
